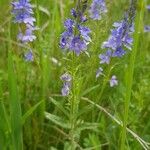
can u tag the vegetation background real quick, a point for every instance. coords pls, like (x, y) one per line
(29, 89)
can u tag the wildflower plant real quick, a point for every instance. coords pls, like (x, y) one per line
(119, 42)
(74, 42)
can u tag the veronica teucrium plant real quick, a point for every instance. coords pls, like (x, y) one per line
(74, 42)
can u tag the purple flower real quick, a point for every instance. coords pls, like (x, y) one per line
(28, 36)
(119, 52)
(98, 7)
(105, 58)
(85, 31)
(29, 56)
(69, 23)
(66, 39)
(73, 13)
(65, 90)
(148, 7)
(78, 45)
(99, 72)
(66, 78)
(147, 29)
(113, 81)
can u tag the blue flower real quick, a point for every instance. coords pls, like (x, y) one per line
(78, 45)
(29, 56)
(99, 72)
(105, 58)
(148, 7)
(147, 28)
(98, 7)
(69, 23)
(85, 31)
(73, 13)
(66, 78)
(28, 36)
(113, 81)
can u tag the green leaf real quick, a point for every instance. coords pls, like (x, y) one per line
(15, 107)
(58, 121)
(89, 126)
(3, 124)
(85, 109)
(59, 106)
(30, 111)
(89, 90)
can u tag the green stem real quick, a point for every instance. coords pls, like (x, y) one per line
(74, 103)
(130, 71)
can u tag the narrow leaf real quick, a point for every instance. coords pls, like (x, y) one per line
(30, 112)
(57, 120)
(59, 106)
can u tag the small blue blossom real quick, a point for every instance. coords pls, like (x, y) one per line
(105, 58)
(99, 72)
(98, 7)
(148, 7)
(28, 36)
(73, 13)
(69, 23)
(85, 31)
(147, 28)
(66, 78)
(29, 56)
(65, 90)
(78, 45)
(113, 81)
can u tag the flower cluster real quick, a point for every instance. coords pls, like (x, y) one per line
(66, 78)
(98, 7)
(23, 12)
(76, 36)
(119, 40)
(23, 15)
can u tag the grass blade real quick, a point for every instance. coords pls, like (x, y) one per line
(15, 105)
(30, 112)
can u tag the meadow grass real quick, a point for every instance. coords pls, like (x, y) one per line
(33, 113)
